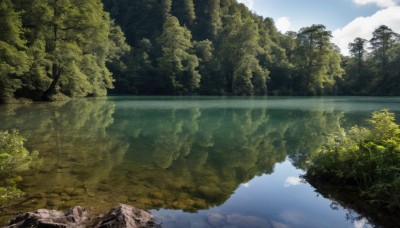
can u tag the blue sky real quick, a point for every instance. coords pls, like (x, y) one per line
(347, 19)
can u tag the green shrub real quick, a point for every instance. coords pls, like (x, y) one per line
(14, 158)
(365, 158)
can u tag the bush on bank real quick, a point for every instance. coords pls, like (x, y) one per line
(366, 159)
(14, 158)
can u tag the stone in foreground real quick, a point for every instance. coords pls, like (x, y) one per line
(126, 216)
(74, 217)
(121, 216)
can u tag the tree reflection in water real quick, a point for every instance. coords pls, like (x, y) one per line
(100, 152)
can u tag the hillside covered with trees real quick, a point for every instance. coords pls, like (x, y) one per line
(52, 49)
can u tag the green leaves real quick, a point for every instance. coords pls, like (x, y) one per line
(9, 193)
(367, 158)
(178, 66)
(316, 60)
(64, 52)
(14, 60)
(14, 158)
(374, 71)
(13, 155)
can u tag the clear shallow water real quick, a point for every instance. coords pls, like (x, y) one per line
(194, 162)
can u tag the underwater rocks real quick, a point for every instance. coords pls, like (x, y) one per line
(121, 216)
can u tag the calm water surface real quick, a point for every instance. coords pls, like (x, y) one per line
(194, 162)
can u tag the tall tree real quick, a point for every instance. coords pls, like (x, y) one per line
(70, 41)
(277, 49)
(358, 81)
(238, 55)
(358, 50)
(317, 61)
(177, 64)
(381, 43)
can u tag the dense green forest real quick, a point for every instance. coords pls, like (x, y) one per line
(53, 49)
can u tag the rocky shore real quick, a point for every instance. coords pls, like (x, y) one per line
(121, 216)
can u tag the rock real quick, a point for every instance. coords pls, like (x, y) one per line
(75, 217)
(126, 216)
(121, 216)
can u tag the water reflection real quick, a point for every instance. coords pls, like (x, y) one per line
(188, 155)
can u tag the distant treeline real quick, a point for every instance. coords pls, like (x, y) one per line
(50, 49)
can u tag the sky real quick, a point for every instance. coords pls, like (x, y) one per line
(347, 19)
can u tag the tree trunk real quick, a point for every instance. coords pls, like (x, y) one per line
(55, 75)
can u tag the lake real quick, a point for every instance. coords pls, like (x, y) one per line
(191, 161)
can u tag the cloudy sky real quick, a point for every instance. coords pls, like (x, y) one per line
(347, 19)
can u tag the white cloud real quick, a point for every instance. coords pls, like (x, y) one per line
(248, 3)
(246, 185)
(283, 24)
(363, 223)
(380, 3)
(364, 26)
(292, 181)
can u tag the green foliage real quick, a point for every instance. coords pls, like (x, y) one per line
(177, 65)
(53, 48)
(316, 60)
(14, 158)
(13, 154)
(238, 55)
(13, 57)
(238, 52)
(9, 193)
(374, 72)
(366, 158)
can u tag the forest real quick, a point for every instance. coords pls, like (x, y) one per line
(56, 49)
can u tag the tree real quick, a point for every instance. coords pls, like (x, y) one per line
(381, 43)
(14, 61)
(184, 11)
(393, 87)
(69, 42)
(238, 55)
(118, 50)
(358, 49)
(277, 50)
(78, 49)
(358, 81)
(317, 61)
(208, 20)
(178, 66)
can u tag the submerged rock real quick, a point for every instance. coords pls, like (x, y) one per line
(121, 216)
